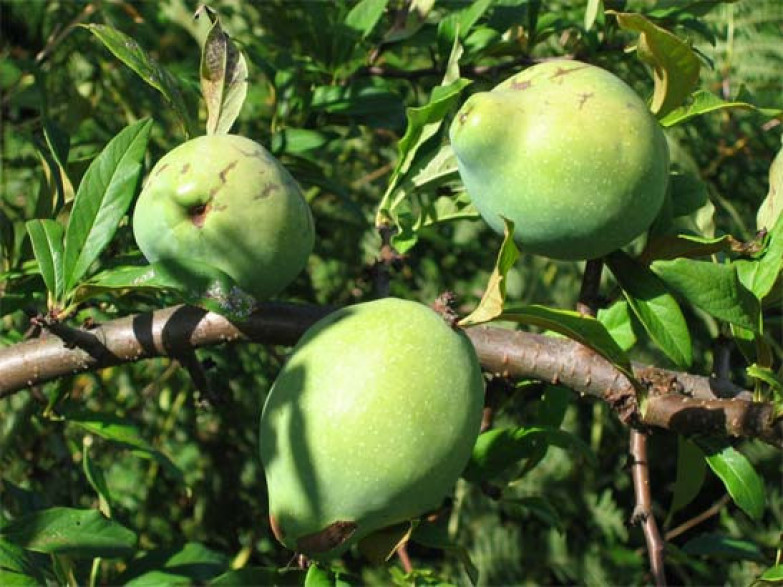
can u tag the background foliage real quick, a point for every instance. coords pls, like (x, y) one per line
(329, 85)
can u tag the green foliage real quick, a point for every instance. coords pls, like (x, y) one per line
(127, 476)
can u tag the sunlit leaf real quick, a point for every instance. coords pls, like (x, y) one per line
(675, 65)
(223, 76)
(491, 304)
(737, 473)
(703, 102)
(771, 207)
(46, 237)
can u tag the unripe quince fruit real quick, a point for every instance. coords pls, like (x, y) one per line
(226, 202)
(569, 153)
(369, 424)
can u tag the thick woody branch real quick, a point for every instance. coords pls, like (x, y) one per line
(682, 402)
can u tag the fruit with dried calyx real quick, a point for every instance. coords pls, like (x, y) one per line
(224, 201)
(369, 424)
(569, 153)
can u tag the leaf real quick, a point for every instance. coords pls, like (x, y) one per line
(259, 576)
(655, 308)
(122, 432)
(772, 574)
(725, 298)
(691, 472)
(436, 535)
(365, 15)
(583, 329)
(103, 197)
(760, 274)
(617, 321)
(770, 209)
(22, 562)
(191, 563)
(741, 480)
(127, 50)
(73, 532)
(95, 478)
(721, 546)
(498, 449)
(46, 237)
(491, 304)
(705, 102)
(541, 508)
(223, 75)
(593, 9)
(675, 65)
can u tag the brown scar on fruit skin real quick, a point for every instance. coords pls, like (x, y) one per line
(561, 71)
(224, 172)
(583, 98)
(267, 191)
(523, 85)
(161, 169)
(185, 169)
(325, 540)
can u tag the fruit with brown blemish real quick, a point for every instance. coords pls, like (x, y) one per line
(369, 424)
(569, 153)
(226, 202)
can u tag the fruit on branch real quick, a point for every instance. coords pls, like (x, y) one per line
(369, 424)
(226, 202)
(569, 153)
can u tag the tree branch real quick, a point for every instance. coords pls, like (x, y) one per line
(681, 402)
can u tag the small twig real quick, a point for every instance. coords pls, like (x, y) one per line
(388, 256)
(713, 510)
(198, 375)
(589, 299)
(640, 472)
(405, 559)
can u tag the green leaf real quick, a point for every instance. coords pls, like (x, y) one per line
(498, 449)
(721, 546)
(365, 15)
(491, 304)
(22, 562)
(770, 209)
(760, 274)
(223, 75)
(318, 577)
(127, 50)
(583, 329)
(655, 308)
(725, 298)
(272, 577)
(95, 478)
(122, 432)
(740, 478)
(772, 574)
(617, 321)
(691, 472)
(675, 65)
(704, 102)
(103, 197)
(593, 9)
(73, 532)
(189, 564)
(46, 237)
(14, 579)
(436, 535)
(541, 508)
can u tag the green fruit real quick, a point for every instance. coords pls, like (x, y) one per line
(369, 424)
(226, 202)
(569, 153)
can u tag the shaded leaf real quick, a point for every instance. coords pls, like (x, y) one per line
(95, 478)
(760, 273)
(223, 76)
(691, 472)
(436, 535)
(498, 449)
(381, 545)
(771, 207)
(365, 15)
(740, 478)
(73, 532)
(190, 563)
(655, 308)
(675, 65)
(22, 562)
(103, 197)
(491, 304)
(540, 508)
(46, 237)
(272, 577)
(127, 50)
(725, 298)
(722, 546)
